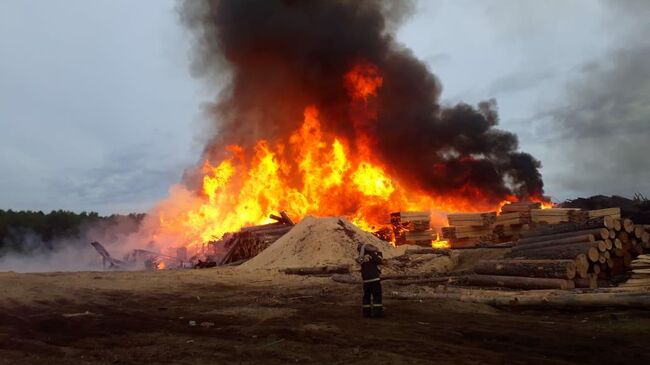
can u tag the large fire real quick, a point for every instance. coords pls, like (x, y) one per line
(313, 172)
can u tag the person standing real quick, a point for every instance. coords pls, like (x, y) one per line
(370, 258)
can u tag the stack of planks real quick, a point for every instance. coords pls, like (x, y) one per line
(509, 226)
(640, 274)
(469, 229)
(250, 241)
(413, 228)
(521, 207)
(557, 215)
(514, 219)
(607, 212)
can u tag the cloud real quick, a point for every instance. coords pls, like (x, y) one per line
(125, 180)
(602, 128)
(519, 81)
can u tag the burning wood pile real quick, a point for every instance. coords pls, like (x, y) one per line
(477, 229)
(250, 241)
(593, 250)
(412, 228)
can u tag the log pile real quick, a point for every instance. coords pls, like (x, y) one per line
(600, 247)
(536, 300)
(412, 228)
(250, 241)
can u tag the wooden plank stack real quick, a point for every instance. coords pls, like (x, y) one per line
(514, 219)
(413, 228)
(484, 219)
(523, 208)
(509, 226)
(557, 215)
(608, 212)
(469, 229)
(520, 207)
(478, 229)
(640, 274)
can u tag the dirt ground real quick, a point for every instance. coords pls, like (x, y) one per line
(145, 318)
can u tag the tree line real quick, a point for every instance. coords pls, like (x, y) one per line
(24, 231)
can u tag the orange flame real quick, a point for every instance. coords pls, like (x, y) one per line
(313, 172)
(363, 81)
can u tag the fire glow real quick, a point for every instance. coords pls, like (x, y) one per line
(312, 172)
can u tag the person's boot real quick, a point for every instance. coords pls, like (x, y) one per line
(367, 310)
(377, 310)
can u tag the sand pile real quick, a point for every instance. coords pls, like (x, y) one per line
(316, 242)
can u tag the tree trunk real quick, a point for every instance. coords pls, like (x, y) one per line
(318, 270)
(638, 231)
(555, 242)
(590, 282)
(286, 218)
(518, 282)
(623, 236)
(618, 243)
(639, 300)
(346, 279)
(561, 252)
(595, 231)
(566, 227)
(427, 250)
(582, 265)
(422, 281)
(559, 269)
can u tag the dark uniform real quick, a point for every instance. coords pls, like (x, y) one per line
(370, 258)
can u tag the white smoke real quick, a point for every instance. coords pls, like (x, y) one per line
(73, 254)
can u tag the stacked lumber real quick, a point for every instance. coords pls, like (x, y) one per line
(520, 207)
(640, 274)
(514, 218)
(484, 219)
(557, 215)
(602, 246)
(412, 228)
(509, 226)
(469, 229)
(526, 219)
(250, 241)
(608, 212)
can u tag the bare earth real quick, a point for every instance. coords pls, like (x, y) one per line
(246, 318)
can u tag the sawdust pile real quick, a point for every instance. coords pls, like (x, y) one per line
(317, 242)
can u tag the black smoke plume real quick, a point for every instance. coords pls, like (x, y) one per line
(282, 55)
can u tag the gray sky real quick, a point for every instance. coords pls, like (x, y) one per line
(98, 110)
